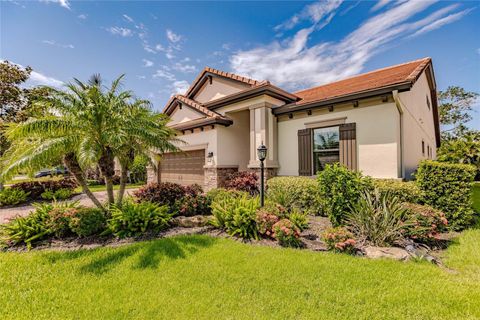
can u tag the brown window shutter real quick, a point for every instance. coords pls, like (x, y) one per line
(348, 145)
(305, 152)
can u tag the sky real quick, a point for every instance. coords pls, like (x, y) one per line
(162, 46)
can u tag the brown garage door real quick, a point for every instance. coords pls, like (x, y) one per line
(185, 168)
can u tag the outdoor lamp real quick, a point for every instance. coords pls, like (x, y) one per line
(262, 155)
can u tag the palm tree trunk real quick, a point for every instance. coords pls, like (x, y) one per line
(123, 183)
(71, 163)
(107, 167)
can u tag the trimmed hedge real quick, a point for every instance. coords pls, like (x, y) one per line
(448, 187)
(404, 191)
(295, 193)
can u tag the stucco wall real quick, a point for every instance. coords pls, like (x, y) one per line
(418, 125)
(218, 89)
(184, 114)
(233, 142)
(377, 137)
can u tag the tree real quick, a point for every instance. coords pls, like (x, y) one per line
(455, 107)
(464, 149)
(91, 125)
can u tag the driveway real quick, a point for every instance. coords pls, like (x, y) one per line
(8, 213)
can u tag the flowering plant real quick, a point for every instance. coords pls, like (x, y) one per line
(286, 233)
(265, 222)
(339, 240)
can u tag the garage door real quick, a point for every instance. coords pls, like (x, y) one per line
(185, 168)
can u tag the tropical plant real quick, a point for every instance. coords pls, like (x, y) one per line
(163, 193)
(243, 181)
(237, 215)
(12, 196)
(89, 125)
(132, 218)
(377, 218)
(287, 234)
(87, 221)
(340, 188)
(34, 227)
(60, 194)
(426, 222)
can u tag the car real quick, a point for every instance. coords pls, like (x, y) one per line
(52, 172)
(44, 173)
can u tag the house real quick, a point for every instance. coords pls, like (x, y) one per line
(381, 123)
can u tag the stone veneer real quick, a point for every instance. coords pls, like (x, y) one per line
(152, 175)
(215, 176)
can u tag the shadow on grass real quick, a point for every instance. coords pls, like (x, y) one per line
(150, 254)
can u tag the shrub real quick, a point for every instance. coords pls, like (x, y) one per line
(192, 205)
(221, 193)
(193, 189)
(87, 221)
(298, 219)
(295, 193)
(12, 196)
(448, 187)
(36, 188)
(138, 169)
(34, 227)
(164, 193)
(236, 215)
(377, 218)
(426, 222)
(60, 194)
(340, 188)
(339, 239)
(243, 181)
(404, 191)
(59, 220)
(136, 218)
(265, 221)
(287, 234)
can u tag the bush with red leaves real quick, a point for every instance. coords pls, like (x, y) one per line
(36, 188)
(243, 181)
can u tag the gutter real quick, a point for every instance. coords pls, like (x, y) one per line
(400, 109)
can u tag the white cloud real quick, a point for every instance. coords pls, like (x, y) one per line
(123, 32)
(63, 3)
(56, 44)
(37, 78)
(141, 77)
(314, 12)
(294, 64)
(186, 68)
(441, 22)
(164, 74)
(129, 19)
(147, 63)
(173, 37)
(169, 55)
(380, 4)
(180, 86)
(82, 16)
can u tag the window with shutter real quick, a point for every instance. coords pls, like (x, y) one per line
(305, 152)
(348, 145)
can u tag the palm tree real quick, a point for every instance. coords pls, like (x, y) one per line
(89, 124)
(143, 132)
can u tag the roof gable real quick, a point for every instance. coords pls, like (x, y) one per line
(207, 74)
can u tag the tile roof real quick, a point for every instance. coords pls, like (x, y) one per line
(233, 76)
(197, 106)
(402, 73)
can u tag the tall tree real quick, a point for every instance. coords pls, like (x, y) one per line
(91, 125)
(455, 108)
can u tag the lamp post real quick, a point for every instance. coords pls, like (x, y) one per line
(262, 155)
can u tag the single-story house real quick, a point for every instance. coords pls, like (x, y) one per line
(382, 123)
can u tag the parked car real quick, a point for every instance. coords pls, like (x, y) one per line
(52, 172)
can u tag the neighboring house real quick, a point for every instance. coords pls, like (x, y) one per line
(381, 123)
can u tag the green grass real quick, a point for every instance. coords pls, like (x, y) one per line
(198, 277)
(103, 188)
(9, 182)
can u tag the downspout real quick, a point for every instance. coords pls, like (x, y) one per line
(399, 105)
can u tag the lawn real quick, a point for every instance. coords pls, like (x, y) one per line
(199, 277)
(104, 188)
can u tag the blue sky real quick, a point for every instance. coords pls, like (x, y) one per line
(161, 46)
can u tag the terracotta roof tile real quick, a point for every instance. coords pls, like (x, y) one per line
(199, 107)
(402, 73)
(233, 76)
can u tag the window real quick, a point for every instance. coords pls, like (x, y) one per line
(423, 147)
(428, 151)
(326, 147)
(428, 103)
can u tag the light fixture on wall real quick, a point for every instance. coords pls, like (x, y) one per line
(262, 155)
(210, 154)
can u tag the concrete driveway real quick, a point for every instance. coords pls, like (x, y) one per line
(8, 213)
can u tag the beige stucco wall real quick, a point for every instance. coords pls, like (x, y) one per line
(377, 137)
(184, 114)
(418, 125)
(218, 89)
(233, 142)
